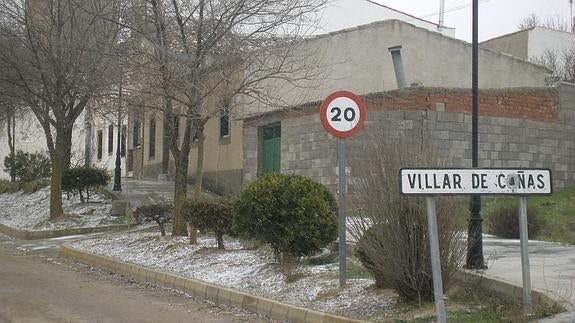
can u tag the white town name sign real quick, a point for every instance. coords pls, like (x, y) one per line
(483, 181)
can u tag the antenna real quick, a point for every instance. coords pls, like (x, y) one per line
(442, 11)
(571, 11)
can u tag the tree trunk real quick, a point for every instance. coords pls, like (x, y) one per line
(180, 190)
(11, 130)
(56, 187)
(67, 148)
(166, 145)
(220, 240)
(60, 157)
(200, 165)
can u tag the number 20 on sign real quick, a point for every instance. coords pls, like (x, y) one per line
(342, 114)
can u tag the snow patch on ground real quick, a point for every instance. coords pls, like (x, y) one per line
(249, 270)
(32, 211)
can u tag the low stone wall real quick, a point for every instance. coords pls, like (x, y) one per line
(203, 290)
(515, 292)
(34, 235)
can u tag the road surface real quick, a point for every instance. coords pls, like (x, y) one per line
(37, 286)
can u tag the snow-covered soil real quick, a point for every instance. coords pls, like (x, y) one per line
(246, 269)
(31, 211)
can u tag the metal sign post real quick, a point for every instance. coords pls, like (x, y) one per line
(487, 181)
(342, 181)
(525, 272)
(342, 115)
(435, 260)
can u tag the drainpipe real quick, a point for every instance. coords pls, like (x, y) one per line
(398, 66)
(442, 13)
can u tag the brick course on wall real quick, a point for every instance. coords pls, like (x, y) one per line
(525, 127)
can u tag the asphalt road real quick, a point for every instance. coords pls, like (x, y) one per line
(37, 286)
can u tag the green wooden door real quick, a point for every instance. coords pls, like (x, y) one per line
(271, 149)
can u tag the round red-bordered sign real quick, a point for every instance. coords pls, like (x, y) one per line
(342, 114)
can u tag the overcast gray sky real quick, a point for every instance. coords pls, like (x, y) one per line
(496, 17)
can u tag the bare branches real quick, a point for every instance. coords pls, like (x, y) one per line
(551, 22)
(57, 56)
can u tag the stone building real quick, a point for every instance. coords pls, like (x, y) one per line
(518, 127)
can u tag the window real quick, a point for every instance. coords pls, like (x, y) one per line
(152, 150)
(224, 121)
(110, 139)
(99, 138)
(136, 132)
(123, 142)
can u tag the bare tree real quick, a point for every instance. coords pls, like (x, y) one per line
(57, 54)
(561, 63)
(551, 22)
(206, 52)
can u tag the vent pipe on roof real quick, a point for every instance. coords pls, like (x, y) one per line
(441, 12)
(398, 66)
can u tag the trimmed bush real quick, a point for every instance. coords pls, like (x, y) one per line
(293, 214)
(210, 214)
(83, 180)
(27, 167)
(159, 213)
(503, 221)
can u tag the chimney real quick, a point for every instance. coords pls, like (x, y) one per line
(398, 66)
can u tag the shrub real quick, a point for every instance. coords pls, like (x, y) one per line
(293, 214)
(503, 221)
(9, 187)
(210, 214)
(35, 185)
(391, 230)
(159, 213)
(83, 180)
(27, 167)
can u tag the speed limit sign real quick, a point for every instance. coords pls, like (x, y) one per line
(342, 114)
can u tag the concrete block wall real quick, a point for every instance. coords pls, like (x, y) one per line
(527, 127)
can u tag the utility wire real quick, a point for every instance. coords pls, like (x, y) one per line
(462, 6)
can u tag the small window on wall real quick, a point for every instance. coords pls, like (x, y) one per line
(152, 147)
(123, 142)
(224, 121)
(99, 139)
(136, 133)
(110, 139)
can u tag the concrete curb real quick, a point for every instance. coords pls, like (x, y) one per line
(203, 290)
(33, 235)
(511, 289)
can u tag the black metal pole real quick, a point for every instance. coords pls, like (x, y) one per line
(118, 169)
(474, 238)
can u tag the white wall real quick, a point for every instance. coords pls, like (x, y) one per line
(359, 60)
(30, 137)
(342, 14)
(101, 122)
(542, 39)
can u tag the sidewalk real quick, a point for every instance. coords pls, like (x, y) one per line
(139, 192)
(552, 268)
